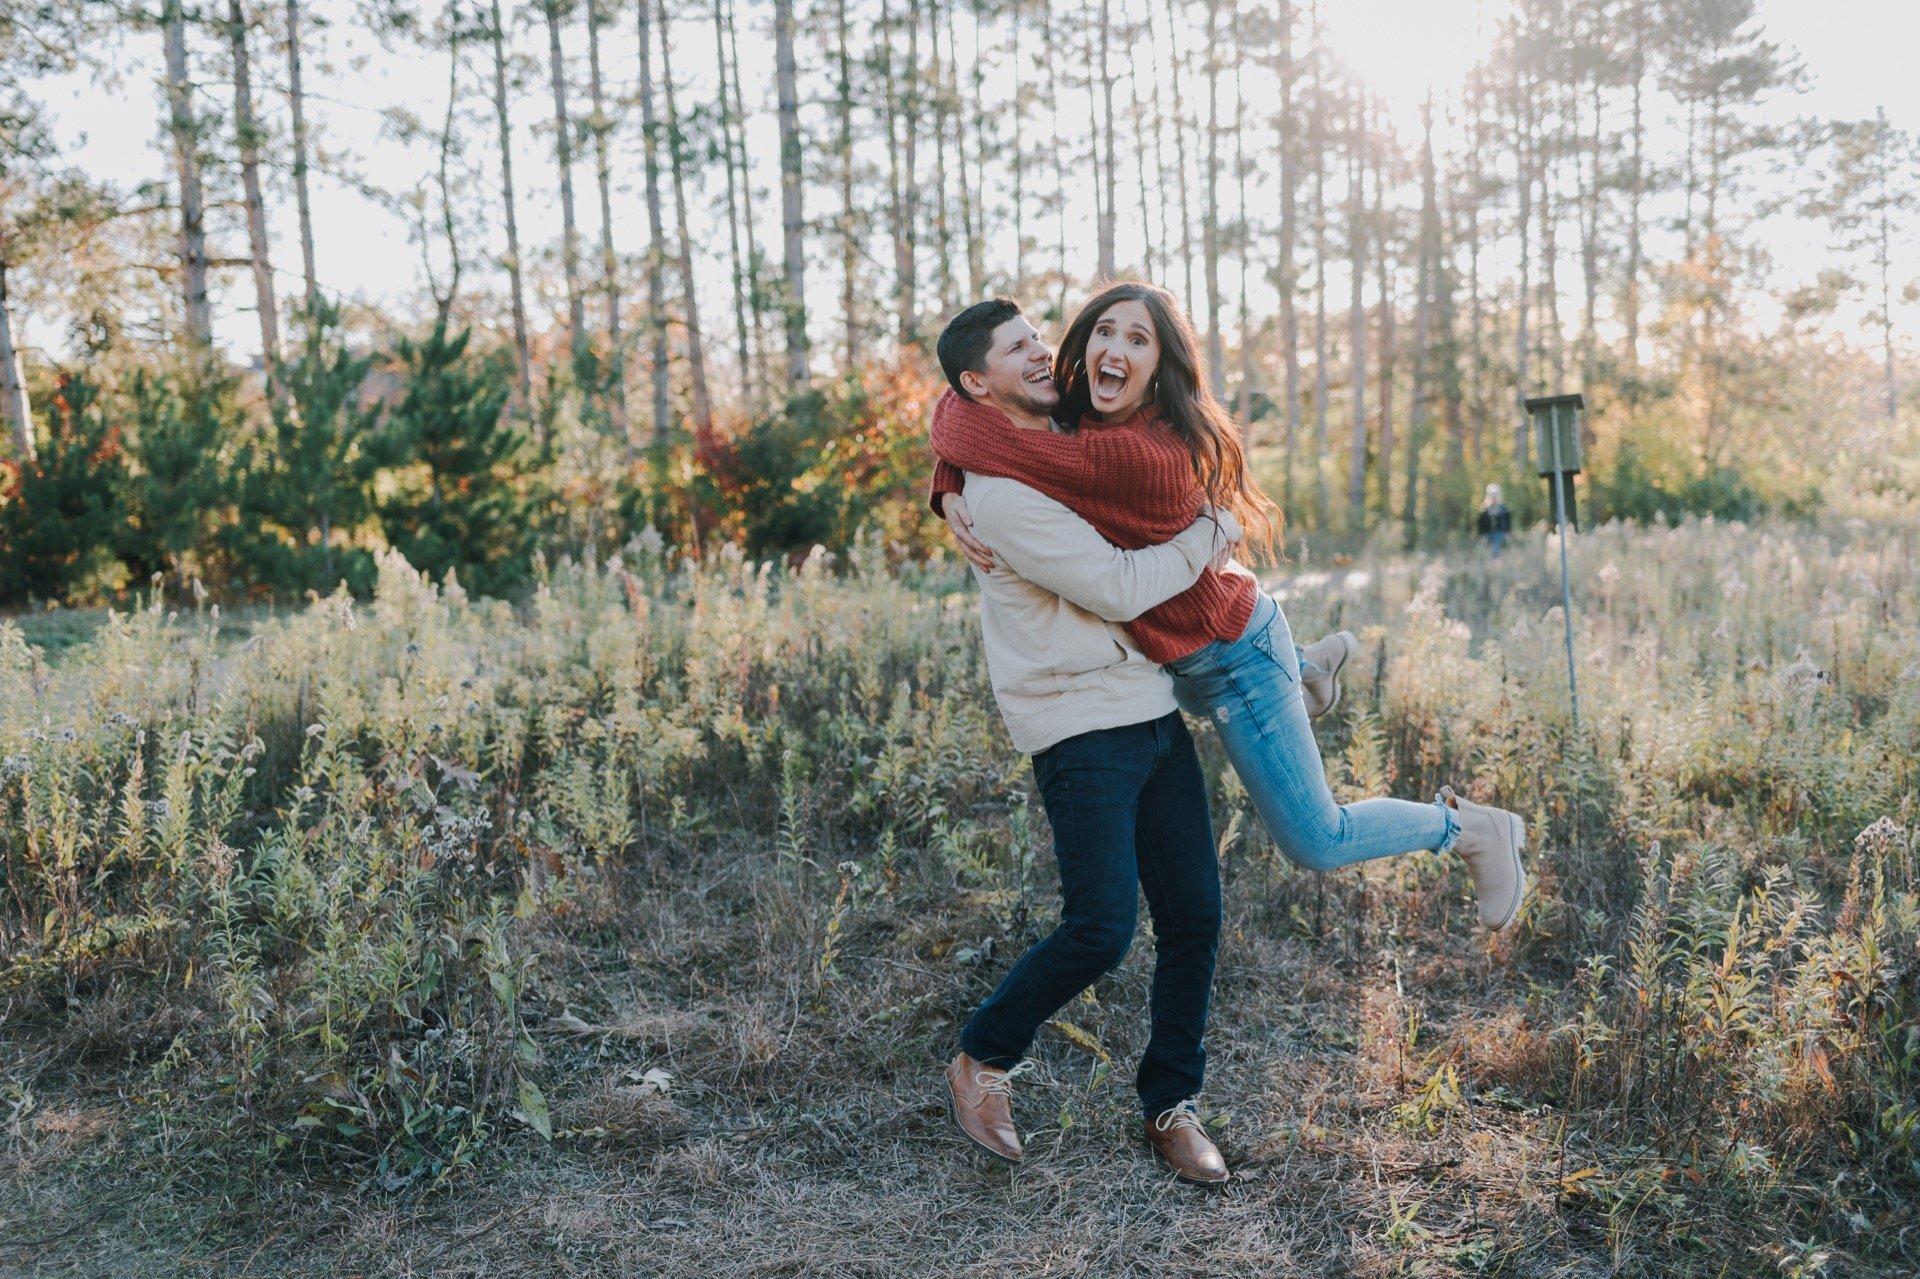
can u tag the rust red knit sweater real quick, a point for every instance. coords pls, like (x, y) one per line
(1131, 480)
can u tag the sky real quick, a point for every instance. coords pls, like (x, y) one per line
(1857, 55)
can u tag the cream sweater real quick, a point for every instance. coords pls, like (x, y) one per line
(1050, 612)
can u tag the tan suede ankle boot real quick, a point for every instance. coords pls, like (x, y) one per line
(1320, 688)
(1490, 841)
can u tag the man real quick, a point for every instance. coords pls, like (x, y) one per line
(1112, 757)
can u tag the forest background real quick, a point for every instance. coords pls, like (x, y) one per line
(533, 800)
(470, 281)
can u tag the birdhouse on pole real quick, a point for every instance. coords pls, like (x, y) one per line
(1556, 437)
(1556, 443)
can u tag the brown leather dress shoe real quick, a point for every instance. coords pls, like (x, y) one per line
(1177, 1136)
(982, 1106)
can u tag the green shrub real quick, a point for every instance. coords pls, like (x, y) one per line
(181, 486)
(62, 516)
(452, 504)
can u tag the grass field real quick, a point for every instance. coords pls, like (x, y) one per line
(626, 932)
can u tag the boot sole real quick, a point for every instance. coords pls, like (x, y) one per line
(1518, 830)
(953, 1113)
(1346, 655)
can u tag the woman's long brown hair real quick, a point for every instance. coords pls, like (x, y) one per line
(1184, 401)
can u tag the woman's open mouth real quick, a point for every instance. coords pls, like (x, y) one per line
(1110, 382)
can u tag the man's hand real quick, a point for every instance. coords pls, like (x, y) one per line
(961, 522)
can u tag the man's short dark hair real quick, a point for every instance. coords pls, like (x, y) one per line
(963, 344)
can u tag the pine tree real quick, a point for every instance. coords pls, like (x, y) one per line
(181, 486)
(454, 506)
(313, 476)
(62, 515)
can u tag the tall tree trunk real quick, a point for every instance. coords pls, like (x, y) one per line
(1210, 229)
(1388, 355)
(1159, 95)
(690, 300)
(1180, 153)
(740, 267)
(656, 237)
(756, 289)
(1552, 339)
(1057, 153)
(1522, 387)
(1590, 248)
(1243, 245)
(1710, 300)
(186, 162)
(1419, 411)
(906, 214)
(1884, 261)
(1886, 315)
(569, 229)
(609, 260)
(1288, 129)
(523, 357)
(1110, 187)
(1139, 120)
(247, 136)
(297, 100)
(1159, 262)
(792, 215)
(900, 175)
(1446, 346)
(1476, 351)
(1318, 132)
(443, 300)
(977, 235)
(1357, 319)
(970, 194)
(1419, 408)
(849, 248)
(1692, 180)
(14, 406)
(1016, 144)
(1636, 187)
(942, 105)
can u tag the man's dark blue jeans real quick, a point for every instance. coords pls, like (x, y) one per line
(1127, 805)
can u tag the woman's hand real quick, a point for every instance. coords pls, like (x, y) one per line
(1230, 534)
(961, 522)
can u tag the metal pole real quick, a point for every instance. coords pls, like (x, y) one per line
(1566, 589)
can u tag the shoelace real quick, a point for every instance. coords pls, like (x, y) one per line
(999, 1083)
(1184, 1115)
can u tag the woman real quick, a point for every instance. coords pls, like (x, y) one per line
(1149, 445)
(1495, 521)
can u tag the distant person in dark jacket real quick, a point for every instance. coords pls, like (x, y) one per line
(1496, 521)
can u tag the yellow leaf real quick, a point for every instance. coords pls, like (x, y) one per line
(1570, 1184)
(1817, 1058)
(1081, 1039)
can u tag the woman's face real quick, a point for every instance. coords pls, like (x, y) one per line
(1122, 355)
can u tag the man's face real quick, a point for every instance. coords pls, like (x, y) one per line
(1019, 371)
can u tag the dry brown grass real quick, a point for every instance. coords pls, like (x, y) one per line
(1398, 1094)
(799, 1136)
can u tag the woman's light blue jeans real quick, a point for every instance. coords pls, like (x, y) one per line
(1250, 690)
